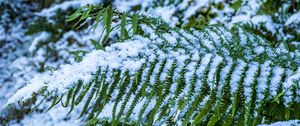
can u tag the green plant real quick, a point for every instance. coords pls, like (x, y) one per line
(155, 74)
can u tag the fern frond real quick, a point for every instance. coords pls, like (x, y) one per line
(165, 75)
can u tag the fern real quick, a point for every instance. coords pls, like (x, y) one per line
(161, 74)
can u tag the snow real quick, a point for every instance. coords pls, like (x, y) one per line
(295, 18)
(41, 37)
(56, 116)
(63, 6)
(172, 40)
(291, 81)
(125, 6)
(283, 123)
(264, 19)
(262, 84)
(240, 18)
(236, 75)
(212, 73)
(166, 14)
(215, 37)
(224, 73)
(277, 75)
(249, 79)
(243, 38)
(259, 49)
(51, 11)
(69, 74)
(197, 5)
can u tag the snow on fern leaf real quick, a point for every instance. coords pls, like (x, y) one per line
(146, 77)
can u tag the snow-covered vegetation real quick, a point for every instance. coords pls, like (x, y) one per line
(149, 62)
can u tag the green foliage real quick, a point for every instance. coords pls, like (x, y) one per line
(227, 108)
(209, 100)
(97, 45)
(105, 15)
(78, 54)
